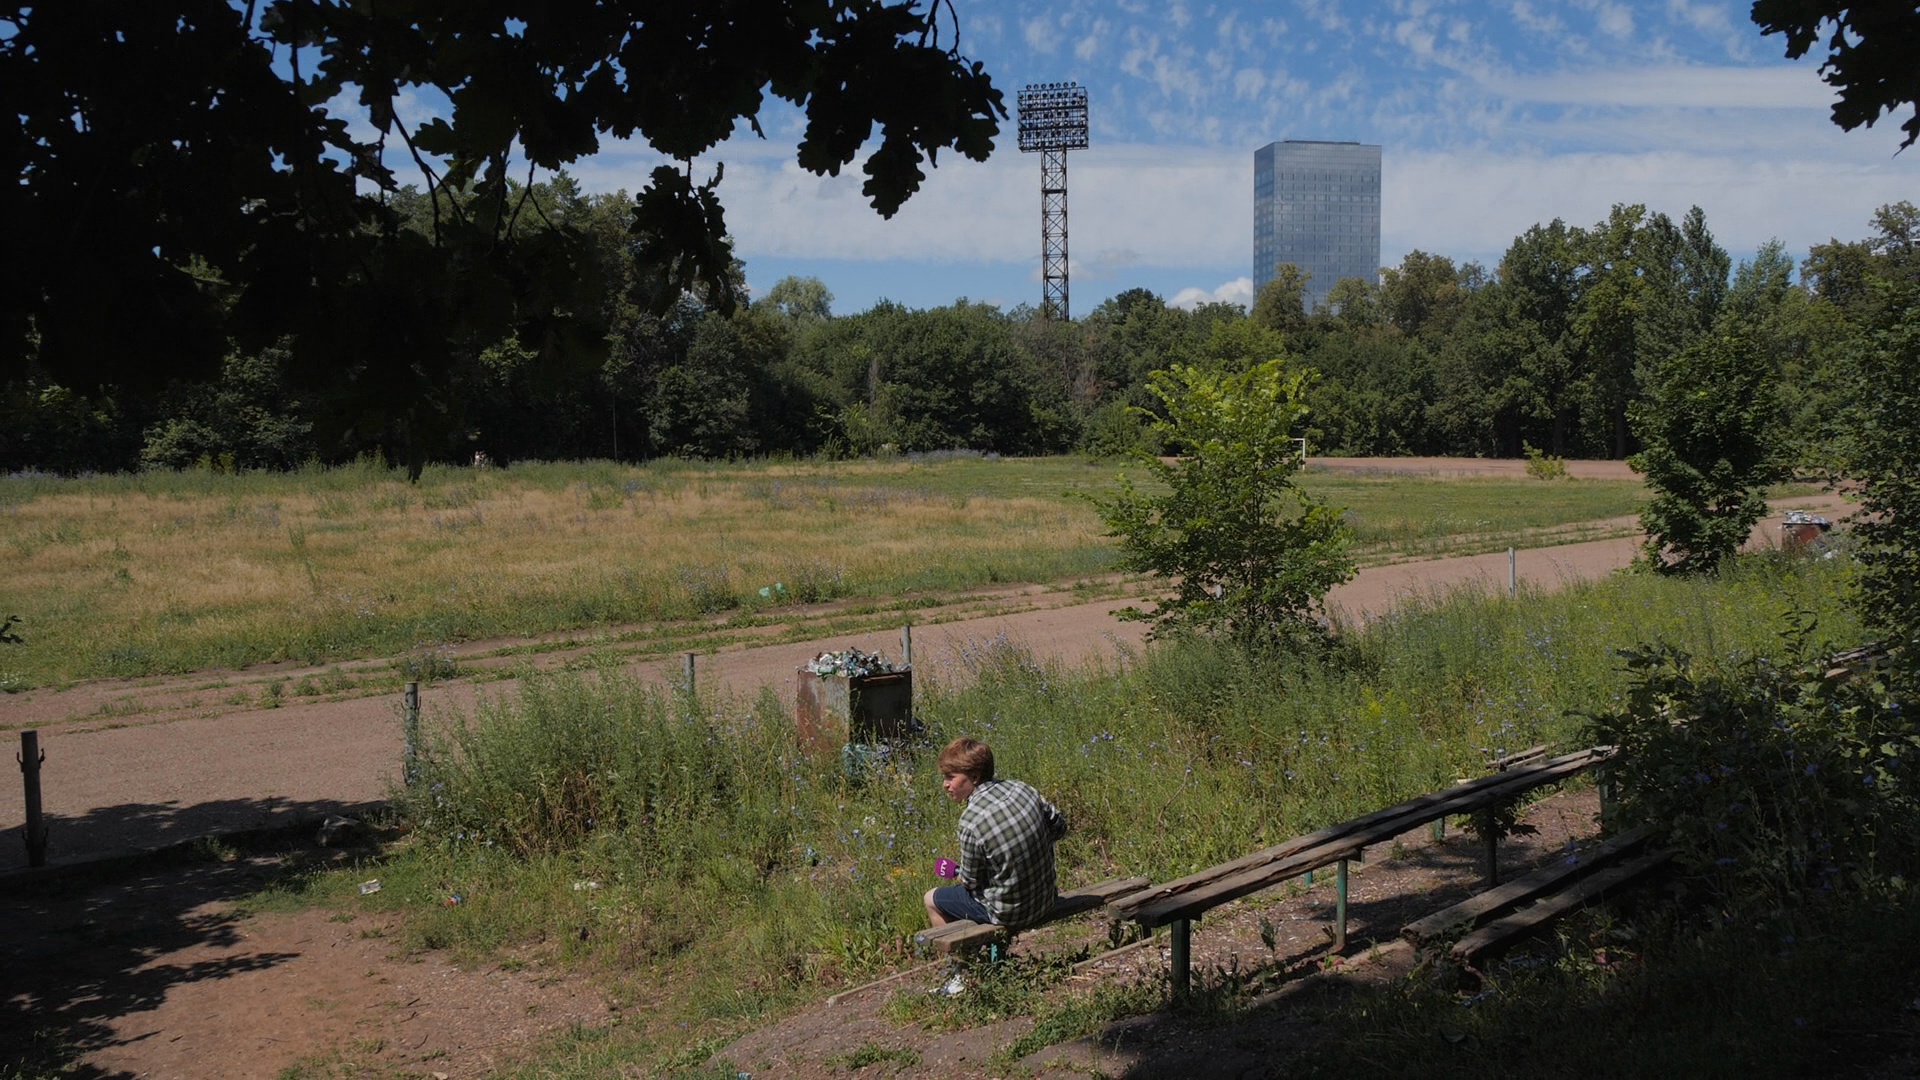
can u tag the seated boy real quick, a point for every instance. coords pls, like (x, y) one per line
(1007, 833)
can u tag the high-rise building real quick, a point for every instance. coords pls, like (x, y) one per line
(1316, 205)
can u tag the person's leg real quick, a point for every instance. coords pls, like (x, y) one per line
(950, 902)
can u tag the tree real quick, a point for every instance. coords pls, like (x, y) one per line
(181, 166)
(1423, 295)
(1606, 330)
(1873, 49)
(1711, 445)
(1246, 552)
(799, 299)
(1801, 339)
(244, 419)
(1354, 302)
(1281, 304)
(1884, 453)
(1505, 374)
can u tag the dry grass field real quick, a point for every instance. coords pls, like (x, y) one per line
(166, 573)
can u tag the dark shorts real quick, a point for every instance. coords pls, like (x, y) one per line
(955, 902)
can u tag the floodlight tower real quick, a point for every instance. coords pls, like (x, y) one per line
(1053, 120)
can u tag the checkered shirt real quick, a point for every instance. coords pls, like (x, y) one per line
(1007, 833)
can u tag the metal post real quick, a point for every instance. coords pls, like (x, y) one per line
(1182, 956)
(906, 645)
(1513, 573)
(1439, 829)
(31, 757)
(1604, 782)
(1340, 907)
(410, 724)
(687, 677)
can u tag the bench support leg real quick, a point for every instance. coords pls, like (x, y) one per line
(1490, 839)
(1439, 829)
(1182, 934)
(1340, 907)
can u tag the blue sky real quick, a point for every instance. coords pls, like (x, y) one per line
(1493, 116)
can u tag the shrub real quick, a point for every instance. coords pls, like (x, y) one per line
(1712, 445)
(1245, 550)
(1771, 782)
(1542, 465)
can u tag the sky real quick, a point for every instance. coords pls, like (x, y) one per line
(1492, 117)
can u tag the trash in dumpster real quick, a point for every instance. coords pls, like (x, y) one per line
(850, 664)
(856, 703)
(1802, 517)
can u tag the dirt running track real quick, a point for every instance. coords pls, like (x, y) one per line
(185, 765)
(153, 974)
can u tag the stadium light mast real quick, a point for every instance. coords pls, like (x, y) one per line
(1053, 120)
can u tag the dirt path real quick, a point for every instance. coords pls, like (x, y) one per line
(137, 765)
(161, 975)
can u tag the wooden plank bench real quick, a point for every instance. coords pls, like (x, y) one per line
(1529, 756)
(1471, 912)
(963, 935)
(1176, 904)
(1503, 931)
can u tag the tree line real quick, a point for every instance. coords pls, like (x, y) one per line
(1552, 349)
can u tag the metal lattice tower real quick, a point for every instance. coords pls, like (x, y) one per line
(1053, 120)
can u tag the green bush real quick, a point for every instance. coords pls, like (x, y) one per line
(1772, 782)
(1247, 552)
(1712, 444)
(1542, 465)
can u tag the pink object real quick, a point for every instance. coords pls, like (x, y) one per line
(946, 868)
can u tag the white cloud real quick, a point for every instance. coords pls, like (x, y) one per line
(1547, 25)
(1039, 35)
(1472, 204)
(1614, 20)
(1416, 37)
(1324, 12)
(1238, 291)
(1685, 87)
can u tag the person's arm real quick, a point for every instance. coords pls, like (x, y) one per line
(1056, 821)
(973, 859)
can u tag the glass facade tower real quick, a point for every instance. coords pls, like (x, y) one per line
(1316, 205)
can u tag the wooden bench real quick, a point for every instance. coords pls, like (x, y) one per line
(1496, 917)
(963, 935)
(1176, 904)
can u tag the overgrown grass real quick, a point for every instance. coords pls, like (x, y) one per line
(712, 873)
(157, 573)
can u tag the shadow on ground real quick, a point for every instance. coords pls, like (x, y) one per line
(78, 941)
(146, 827)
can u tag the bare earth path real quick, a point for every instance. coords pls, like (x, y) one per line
(137, 765)
(158, 974)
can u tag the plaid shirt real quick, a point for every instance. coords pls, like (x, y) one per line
(1007, 833)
